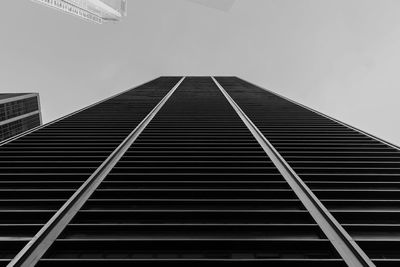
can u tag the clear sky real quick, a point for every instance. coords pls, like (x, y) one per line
(340, 57)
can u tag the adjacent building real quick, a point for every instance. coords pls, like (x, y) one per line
(97, 11)
(199, 171)
(18, 113)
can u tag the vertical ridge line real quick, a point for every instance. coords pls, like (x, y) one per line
(39, 244)
(348, 249)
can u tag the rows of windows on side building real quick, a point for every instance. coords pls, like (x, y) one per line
(19, 112)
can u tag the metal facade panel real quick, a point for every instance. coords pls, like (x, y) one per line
(41, 170)
(353, 174)
(195, 187)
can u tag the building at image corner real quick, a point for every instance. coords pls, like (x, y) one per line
(19, 112)
(97, 11)
(199, 171)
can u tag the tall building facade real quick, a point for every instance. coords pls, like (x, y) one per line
(198, 171)
(18, 113)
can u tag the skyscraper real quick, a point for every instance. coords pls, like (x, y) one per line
(194, 171)
(18, 113)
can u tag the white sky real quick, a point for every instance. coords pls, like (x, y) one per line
(340, 57)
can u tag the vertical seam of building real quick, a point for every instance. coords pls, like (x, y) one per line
(40, 243)
(40, 109)
(348, 249)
